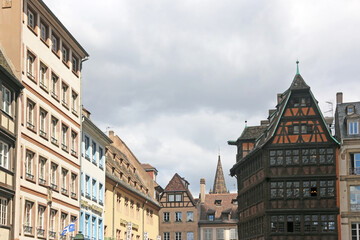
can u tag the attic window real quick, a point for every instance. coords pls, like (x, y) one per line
(211, 217)
(350, 109)
(218, 202)
(234, 201)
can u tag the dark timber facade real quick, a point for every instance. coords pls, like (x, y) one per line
(286, 172)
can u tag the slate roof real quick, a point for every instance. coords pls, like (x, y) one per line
(341, 117)
(226, 207)
(298, 84)
(179, 184)
(219, 180)
(6, 69)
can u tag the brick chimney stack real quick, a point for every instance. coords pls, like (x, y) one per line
(339, 98)
(202, 190)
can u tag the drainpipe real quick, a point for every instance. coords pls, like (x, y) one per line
(113, 220)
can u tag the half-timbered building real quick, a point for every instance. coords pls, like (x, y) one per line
(287, 182)
(178, 211)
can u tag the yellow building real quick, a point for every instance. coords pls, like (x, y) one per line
(129, 196)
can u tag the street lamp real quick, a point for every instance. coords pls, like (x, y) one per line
(79, 236)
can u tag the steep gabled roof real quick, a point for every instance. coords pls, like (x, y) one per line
(6, 69)
(177, 183)
(219, 181)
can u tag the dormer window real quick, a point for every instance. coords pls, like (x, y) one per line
(350, 110)
(353, 127)
(211, 217)
(234, 201)
(217, 202)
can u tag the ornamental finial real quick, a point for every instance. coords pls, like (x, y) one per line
(297, 67)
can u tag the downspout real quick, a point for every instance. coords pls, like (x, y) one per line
(113, 219)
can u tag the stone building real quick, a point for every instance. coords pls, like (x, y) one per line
(47, 59)
(347, 119)
(10, 92)
(131, 208)
(286, 172)
(178, 211)
(217, 211)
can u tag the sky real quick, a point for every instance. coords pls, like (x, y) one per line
(177, 79)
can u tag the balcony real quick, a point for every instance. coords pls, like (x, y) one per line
(64, 190)
(30, 125)
(40, 232)
(52, 234)
(354, 171)
(54, 140)
(42, 181)
(42, 133)
(29, 176)
(28, 229)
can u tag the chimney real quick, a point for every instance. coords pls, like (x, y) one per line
(271, 111)
(111, 134)
(339, 98)
(264, 122)
(202, 190)
(279, 98)
(86, 113)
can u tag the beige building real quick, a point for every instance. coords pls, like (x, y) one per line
(347, 120)
(178, 211)
(47, 59)
(10, 90)
(131, 208)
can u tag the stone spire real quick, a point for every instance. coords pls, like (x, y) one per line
(219, 181)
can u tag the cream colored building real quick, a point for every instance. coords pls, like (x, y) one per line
(47, 59)
(347, 121)
(129, 196)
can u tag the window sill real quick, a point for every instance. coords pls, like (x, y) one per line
(30, 179)
(43, 87)
(65, 192)
(65, 105)
(66, 64)
(54, 96)
(8, 115)
(56, 53)
(33, 30)
(31, 77)
(6, 170)
(44, 136)
(74, 154)
(45, 41)
(43, 185)
(54, 141)
(75, 73)
(74, 195)
(75, 112)
(31, 128)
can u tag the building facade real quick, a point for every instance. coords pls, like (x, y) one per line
(10, 92)
(94, 143)
(287, 172)
(132, 211)
(217, 211)
(347, 119)
(178, 211)
(47, 59)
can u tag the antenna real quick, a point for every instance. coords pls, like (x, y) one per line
(331, 108)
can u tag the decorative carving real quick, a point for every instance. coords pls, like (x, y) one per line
(6, 3)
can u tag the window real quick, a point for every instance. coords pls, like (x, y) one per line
(166, 216)
(355, 198)
(355, 163)
(233, 234)
(277, 189)
(54, 85)
(94, 190)
(42, 123)
(100, 226)
(87, 147)
(40, 228)
(326, 155)
(73, 185)
(190, 236)
(217, 202)
(63, 221)
(177, 235)
(327, 188)
(310, 189)
(64, 90)
(42, 164)
(52, 221)
(73, 143)
(296, 129)
(292, 157)
(87, 226)
(178, 197)
(355, 231)
(64, 134)
(171, 197)
(353, 127)
(64, 188)
(166, 236)
(178, 217)
(211, 217)
(30, 114)
(31, 19)
(6, 100)
(101, 194)
(93, 147)
(55, 43)
(29, 165)
(30, 65)
(28, 217)
(327, 223)
(292, 189)
(4, 155)
(208, 234)
(54, 123)
(277, 224)
(101, 157)
(65, 52)
(74, 64)
(43, 32)
(350, 109)
(311, 223)
(87, 189)
(276, 157)
(189, 216)
(74, 102)
(3, 211)
(220, 234)
(53, 179)
(93, 227)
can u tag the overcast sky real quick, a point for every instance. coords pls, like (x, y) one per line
(177, 79)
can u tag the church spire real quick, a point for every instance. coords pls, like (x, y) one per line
(219, 181)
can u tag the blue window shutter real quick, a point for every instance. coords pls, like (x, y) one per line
(89, 226)
(82, 183)
(82, 221)
(101, 229)
(95, 232)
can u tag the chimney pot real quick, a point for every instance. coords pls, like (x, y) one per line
(339, 98)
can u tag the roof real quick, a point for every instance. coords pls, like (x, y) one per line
(219, 180)
(6, 69)
(226, 207)
(341, 118)
(177, 183)
(147, 166)
(249, 133)
(298, 84)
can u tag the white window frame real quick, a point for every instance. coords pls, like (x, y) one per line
(31, 19)
(42, 166)
(6, 100)
(178, 236)
(30, 64)
(64, 130)
(53, 177)
(353, 127)
(52, 220)
(29, 164)
(73, 183)
(65, 53)
(4, 155)
(3, 211)
(64, 90)
(54, 41)
(28, 208)
(41, 217)
(54, 82)
(166, 236)
(43, 31)
(30, 114)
